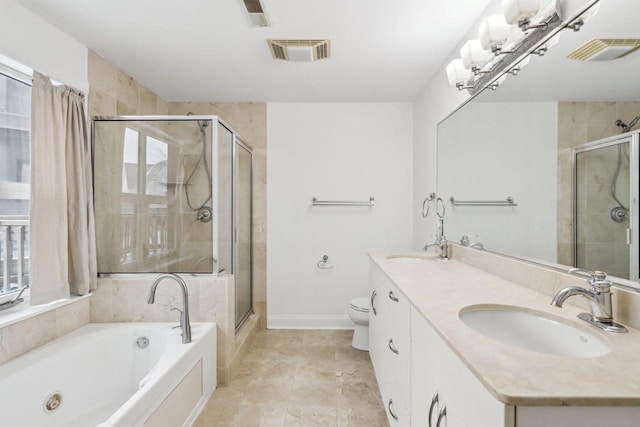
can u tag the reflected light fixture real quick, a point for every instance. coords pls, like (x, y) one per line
(493, 33)
(520, 12)
(590, 13)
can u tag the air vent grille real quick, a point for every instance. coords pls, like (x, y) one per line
(605, 49)
(316, 49)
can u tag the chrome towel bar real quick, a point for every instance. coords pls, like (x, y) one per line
(316, 202)
(508, 202)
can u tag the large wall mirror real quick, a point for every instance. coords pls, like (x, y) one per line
(559, 140)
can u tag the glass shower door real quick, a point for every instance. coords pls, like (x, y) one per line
(243, 232)
(605, 212)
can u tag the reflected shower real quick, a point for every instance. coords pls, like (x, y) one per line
(620, 212)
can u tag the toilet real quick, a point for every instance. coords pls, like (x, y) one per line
(359, 314)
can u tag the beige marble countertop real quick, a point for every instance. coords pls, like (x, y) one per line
(438, 290)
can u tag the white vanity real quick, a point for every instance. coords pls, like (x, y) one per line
(435, 371)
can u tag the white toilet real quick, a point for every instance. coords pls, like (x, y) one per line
(359, 314)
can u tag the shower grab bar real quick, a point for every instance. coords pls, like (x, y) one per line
(508, 202)
(316, 202)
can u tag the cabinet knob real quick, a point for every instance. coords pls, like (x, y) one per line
(373, 300)
(390, 406)
(392, 297)
(434, 402)
(442, 415)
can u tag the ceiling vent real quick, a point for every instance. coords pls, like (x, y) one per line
(605, 49)
(256, 13)
(300, 50)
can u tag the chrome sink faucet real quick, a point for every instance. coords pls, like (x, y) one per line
(184, 315)
(599, 298)
(441, 241)
(466, 241)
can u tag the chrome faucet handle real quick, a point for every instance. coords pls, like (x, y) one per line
(465, 240)
(597, 279)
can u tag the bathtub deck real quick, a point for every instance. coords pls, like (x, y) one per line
(299, 378)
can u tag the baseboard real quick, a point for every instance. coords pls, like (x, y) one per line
(309, 322)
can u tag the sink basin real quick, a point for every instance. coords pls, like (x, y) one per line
(533, 331)
(408, 259)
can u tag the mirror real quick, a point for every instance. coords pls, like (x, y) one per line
(521, 141)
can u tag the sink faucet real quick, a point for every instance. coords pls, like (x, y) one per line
(599, 298)
(184, 315)
(466, 241)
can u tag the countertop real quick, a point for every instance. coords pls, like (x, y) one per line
(440, 289)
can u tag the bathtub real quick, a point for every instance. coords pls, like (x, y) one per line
(104, 375)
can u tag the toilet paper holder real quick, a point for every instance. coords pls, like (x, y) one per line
(323, 264)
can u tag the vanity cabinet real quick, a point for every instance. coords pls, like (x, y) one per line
(444, 393)
(389, 346)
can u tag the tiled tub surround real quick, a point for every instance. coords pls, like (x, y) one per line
(439, 290)
(112, 92)
(21, 336)
(124, 299)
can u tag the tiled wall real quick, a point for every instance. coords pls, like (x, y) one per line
(26, 335)
(579, 123)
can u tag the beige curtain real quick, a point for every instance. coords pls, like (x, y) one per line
(62, 237)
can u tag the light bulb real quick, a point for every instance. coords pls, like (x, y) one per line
(493, 32)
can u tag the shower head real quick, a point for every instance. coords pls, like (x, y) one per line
(202, 124)
(626, 128)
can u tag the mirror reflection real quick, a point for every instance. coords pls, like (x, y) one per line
(560, 118)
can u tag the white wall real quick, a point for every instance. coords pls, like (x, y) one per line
(28, 39)
(484, 154)
(334, 152)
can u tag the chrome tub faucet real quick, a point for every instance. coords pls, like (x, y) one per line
(185, 325)
(599, 298)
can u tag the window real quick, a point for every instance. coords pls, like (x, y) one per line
(15, 123)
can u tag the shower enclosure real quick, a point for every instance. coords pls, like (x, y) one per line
(173, 194)
(606, 206)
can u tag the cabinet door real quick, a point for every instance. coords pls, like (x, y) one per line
(424, 382)
(436, 369)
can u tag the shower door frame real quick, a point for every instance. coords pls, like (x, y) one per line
(238, 143)
(633, 230)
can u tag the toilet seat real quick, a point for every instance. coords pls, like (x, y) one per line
(360, 304)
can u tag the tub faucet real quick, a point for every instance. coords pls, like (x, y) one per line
(184, 315)
(599, 298)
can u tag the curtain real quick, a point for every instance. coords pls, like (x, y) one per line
(62, 235)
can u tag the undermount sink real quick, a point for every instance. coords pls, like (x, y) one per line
(408, 259)
(533, 331)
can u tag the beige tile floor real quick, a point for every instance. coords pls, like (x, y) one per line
(299, 378)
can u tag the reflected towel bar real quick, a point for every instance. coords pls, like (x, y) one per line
(316, 202)
(508, 202)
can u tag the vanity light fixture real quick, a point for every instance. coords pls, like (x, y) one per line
(458, 75)
(494, 32)
(474, 57)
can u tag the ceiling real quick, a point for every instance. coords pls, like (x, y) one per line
(194, 50)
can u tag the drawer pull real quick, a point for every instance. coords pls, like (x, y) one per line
(441, 415)
(392, 347)
(390, 406)
(392, 297)
(434, 402)
(374, 294)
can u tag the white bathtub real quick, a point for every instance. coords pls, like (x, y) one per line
(105, 379)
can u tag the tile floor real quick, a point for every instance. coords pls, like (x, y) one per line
(299, 378)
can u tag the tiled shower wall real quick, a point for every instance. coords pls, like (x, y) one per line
(113, 92)
(579, 123)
